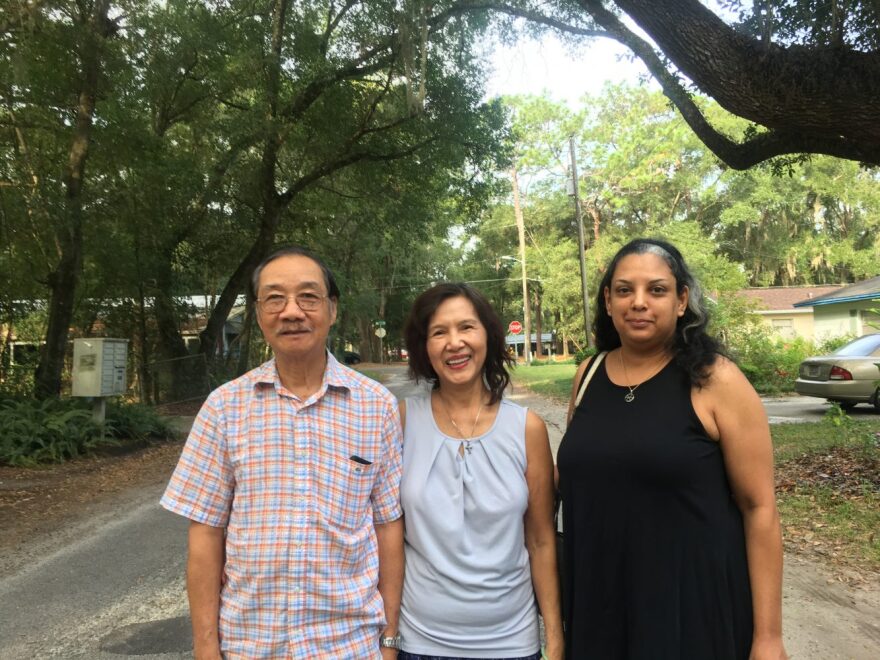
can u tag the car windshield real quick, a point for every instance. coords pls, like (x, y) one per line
(861, 347)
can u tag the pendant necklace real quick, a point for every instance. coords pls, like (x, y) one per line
(466, 439)
(630, 396)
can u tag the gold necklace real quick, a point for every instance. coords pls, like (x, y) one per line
(466, 439)
(630, 396)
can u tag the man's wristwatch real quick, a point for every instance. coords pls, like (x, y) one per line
(390, 642)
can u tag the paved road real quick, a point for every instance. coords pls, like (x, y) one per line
(112, 591)
(797, 408)
(115, 588)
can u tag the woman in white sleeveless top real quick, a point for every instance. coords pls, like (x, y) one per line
(477, 494)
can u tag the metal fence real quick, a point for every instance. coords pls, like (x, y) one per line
(175, 385)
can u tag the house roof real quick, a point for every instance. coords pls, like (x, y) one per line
(864, 290)
(785, 297)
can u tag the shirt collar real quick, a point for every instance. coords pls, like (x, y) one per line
(334, 375)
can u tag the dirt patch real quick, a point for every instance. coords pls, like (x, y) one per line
(36, 502)
(848, 470)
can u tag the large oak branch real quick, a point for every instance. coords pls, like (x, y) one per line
(821, 100)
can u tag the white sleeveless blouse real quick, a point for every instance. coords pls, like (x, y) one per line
(467, 589)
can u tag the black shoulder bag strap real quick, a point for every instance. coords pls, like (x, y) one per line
(560, 569)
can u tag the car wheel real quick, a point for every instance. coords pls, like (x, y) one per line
(877, 400)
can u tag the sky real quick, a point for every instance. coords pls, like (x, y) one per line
(533, 66)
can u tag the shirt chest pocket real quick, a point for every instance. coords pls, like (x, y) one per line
(343, 493)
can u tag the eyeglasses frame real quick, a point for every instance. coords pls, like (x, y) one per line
(287, 297)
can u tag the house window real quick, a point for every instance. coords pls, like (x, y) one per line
(783, 327)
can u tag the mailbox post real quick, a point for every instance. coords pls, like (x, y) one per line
(99, 371)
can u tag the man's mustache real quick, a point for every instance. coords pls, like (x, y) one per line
(292, 328)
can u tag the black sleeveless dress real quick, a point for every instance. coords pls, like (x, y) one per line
(655, 558)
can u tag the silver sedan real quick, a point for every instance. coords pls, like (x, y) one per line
(848, 376)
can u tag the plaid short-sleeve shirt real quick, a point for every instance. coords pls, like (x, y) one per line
(298, 485)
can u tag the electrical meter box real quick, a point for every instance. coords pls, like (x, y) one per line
(99, 366)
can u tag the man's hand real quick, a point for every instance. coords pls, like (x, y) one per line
(389, 654)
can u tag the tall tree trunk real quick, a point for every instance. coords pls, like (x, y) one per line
(365, 346)
(594, 213)
(63, 280)
(272, 203)
(244, 339)
(144, 376)
(539, 346)
(173, 347)
(211, 336)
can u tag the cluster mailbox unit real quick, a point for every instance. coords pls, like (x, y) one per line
(99, 370)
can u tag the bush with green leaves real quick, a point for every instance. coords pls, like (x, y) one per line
(49, 431)
(53, 431)
(770, 364)
(833, 343)
(135, 421)
(17, 382)
(583, 353)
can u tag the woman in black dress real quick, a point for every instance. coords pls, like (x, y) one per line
(672, 538)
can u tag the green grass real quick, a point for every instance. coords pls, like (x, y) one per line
(840, 528)
(839, 520)
(792, 440)
(553, 380)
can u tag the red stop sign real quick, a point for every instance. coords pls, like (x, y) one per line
(515, 327)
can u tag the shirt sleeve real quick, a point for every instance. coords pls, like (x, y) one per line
(203, 483)
(386, 489)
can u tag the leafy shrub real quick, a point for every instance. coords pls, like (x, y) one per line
(48, 431)
(17, 383)
(583, 354)
(135, 421)
(770, 364)
(832, 344)
(53, 431)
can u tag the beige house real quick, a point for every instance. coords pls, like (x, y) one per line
(776, 307)
(849, 310)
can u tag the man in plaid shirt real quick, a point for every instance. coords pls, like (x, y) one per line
(290, 478)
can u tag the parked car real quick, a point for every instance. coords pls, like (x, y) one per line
(848, 376)
(350, 357)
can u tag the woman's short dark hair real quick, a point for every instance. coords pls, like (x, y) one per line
(416, 336)
(694, 349)
(295, 251)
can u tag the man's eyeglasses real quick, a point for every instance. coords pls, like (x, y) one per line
(276, 302)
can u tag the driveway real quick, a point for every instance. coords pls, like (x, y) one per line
(796, 408)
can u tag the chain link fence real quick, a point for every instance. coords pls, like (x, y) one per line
(177, 385)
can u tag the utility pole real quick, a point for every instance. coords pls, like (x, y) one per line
(521, 229)
(581, 243)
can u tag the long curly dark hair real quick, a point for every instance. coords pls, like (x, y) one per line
(415, 335)
(694, 349)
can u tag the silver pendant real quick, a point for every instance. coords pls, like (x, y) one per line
(467, 446)
(629, 397)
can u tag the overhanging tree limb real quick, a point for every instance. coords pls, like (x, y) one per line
(817, 100)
